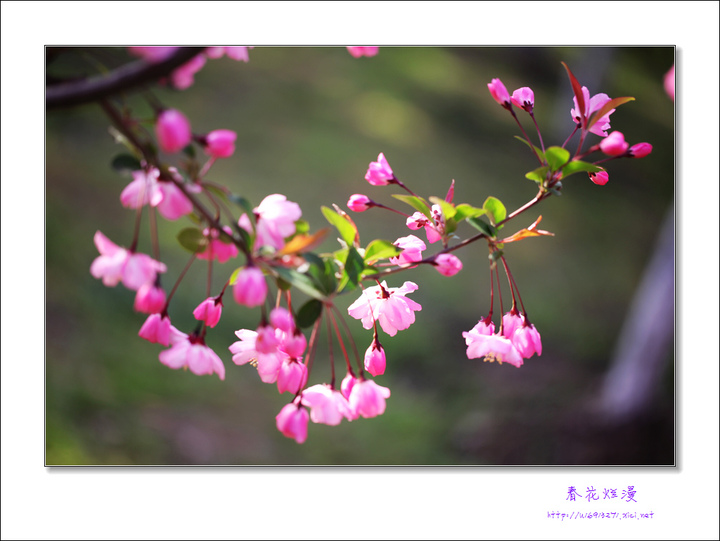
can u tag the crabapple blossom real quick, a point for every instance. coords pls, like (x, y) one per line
(360, 203)
(172, 130)
(418, 220)
(115, 264)
(143, 190)
(447, 264)
(281, 318)
(367, 398)
(174, 203)
(592, 105)
(614, 144)
(220, 143)
(256, 347)
(412, 248)
(209, 311)
(483, 327)
(276, 217)
(217, 248)
(379, 173)
(600, 178)
(292, 422)
(157, 329)
(150, 298)
(511, 321)
(524, 98)
(491, 347)
(250, 288)
(327, 406)
(499, 93)
(375, 361)
(357, 52)
(195, 355)
(293, 344)
(526, 340)
(347, 384)
(640, 150)
(184, 76)
(292, 376)
(388, 306)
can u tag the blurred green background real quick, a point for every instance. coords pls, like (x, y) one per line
(309, 120)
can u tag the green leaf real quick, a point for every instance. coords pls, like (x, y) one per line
(463, 211)
(539, 152)
(234, 276)
(354, 265)
(322, 271)
(308, 313)
(556, 157)
(538, 175)
(217, 191)
(302, 226)
(243, 203)
(417, 203)
(577, 166)
(380, 249)
(193, 240)
(346, 228)
(483, 226)
(495, 209)
(125, 163)
(300, 281)
(189, 151)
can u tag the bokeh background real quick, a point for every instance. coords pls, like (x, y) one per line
(309, 120)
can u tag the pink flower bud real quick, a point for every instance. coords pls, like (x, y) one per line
(357, 52)
(500, 93)
(220, 143)
(292, 422)
(173, 131)
(292, 376)
(600, 178)
(209, 311)
(156, 329)
(412, 248)
(375, 361)
(448, 264)
(250, 288)
(149, 299)
(281, 318)
(379, 173)
(526, 339)
(524, 98)
(511, 321)
(360, 203)
(640, 150)
(293, 344)
(347, 384)
(614, 144)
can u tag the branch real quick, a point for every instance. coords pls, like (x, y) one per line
(119, 80)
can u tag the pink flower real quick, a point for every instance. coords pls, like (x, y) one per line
(150, 298)
(389, 306)
(360, 203)
(293, 344)
(195, 355)
(499, 93)
(418, 220)
(209, 311)
(276, 217)
(375, 361)
(326, 405)
(236, 53)
(367, 398)
(347, 384)
(600, 178)
(614, 144)
(173, 131)
(357, 52)
(144, 189)
(184, 76)
(292, 376)
(669, 82)
(255, 347)
(491, 347)
(640, 150)
(174, 204)
(217, 247)
(281, 318)
(292, 422)
(448, 264)
(511, 321)
(156, 329)
(412, 248)
(250, 287)
(526, 340)
(379, 173)
(220, 143)
(524, 98)
(152, 54)
(593, 105)
(117, 264)
(484, 327)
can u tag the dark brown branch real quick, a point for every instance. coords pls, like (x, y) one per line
(119, 80)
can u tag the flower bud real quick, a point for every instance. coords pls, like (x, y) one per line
(379, 173)
(149, 299)
(375, 361)
(614, 144)
(640, 150)
(220, 143)
(359, 203)
(209, 311)
(500, 93)
(172, 130)
(600, 178)
(448, 264)
(250, 288)
(524, 98)
(292, 421)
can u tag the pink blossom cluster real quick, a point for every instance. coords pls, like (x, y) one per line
(517, 339)
(173, 132)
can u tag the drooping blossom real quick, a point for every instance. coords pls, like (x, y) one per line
(347, 384)
(143, 190)
(157, 329)
(524, 98)
(379, 173)
(447, 264)
(236, 53)
(388, 306)
(367, 398)
(484, 327)
(220, 143)
(600, 178)
(275, 221)
(292, 421)
(172, 129)
(499, 93)
(209, 311)
(250, 288)
(640, 150)
(491, 347)
(174, 203)
(217, 247)
(526, 339)
(614, 144)
(375, 360)
(511, 320)
(292, 375)
(195, 355)
(357, 52)
(184, 76)
(256, 347)
(593, 105)
(150, 298)
(412, 248)
(669, 82)
(281, 318)
(327, 406)
(360, 203)
(116, 264)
